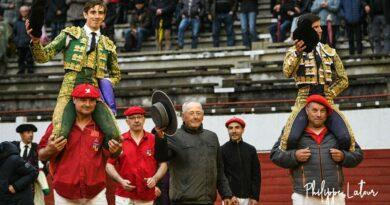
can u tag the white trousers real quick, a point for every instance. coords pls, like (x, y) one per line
(99, 199)
(299, 199)
(127, 201)
(241, 201)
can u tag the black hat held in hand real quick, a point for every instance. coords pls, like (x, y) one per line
(163, 112)
(305, 32)
(37, 17)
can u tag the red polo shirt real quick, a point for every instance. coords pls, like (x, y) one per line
(79, 170)
(317, 137)
(136, 163)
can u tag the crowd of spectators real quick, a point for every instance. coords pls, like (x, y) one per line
(165, 18)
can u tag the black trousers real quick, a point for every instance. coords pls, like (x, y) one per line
(25, 60)
(354, 32)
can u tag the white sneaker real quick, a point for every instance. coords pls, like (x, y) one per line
(358, 59)
(350, 60)
(288, 40)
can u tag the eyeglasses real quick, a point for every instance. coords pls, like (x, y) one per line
(138, 117)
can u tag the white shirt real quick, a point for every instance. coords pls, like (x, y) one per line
(21, 145)
(88, 31)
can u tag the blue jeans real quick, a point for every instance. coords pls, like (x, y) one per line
(248, 20)
(142, 34)
(284, 27)
(195, 24)
(227, 20)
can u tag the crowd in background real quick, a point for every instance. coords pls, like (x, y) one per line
(163, 19)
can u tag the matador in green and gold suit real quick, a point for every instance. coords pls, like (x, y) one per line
(317, 72)
(81, 66)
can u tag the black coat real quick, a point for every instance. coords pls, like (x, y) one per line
(21, 38)
(32, 156)
(242, 169)
(16, 172)
(53, 7)
(248, 6)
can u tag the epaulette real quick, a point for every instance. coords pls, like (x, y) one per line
(107, 43)
(328, 50)
(74, 31)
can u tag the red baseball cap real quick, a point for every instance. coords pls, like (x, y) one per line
(85, 91)
(321, 100)
(134, 110)
(235, 119)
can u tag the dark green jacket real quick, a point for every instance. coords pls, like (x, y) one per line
(195, 167)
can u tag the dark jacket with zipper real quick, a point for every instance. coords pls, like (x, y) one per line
(221, 6)
(18, 173)
(242, 169)
(319, 167)
(192, 8)
(195, 166)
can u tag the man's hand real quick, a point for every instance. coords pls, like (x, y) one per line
(299, 46)
(252, 202)
(159, 12)
(159, 132)
(277, 7)
(11, 189)
(337, 155)
(157, 191)
(231, 13)
(114, 146)
(151, 182)
(290, 13)
(302, 155)
(210, 17)
(367, 9)
(29, 31)
(234, 201)
(227, 201)
(126, 185)
(56, 144)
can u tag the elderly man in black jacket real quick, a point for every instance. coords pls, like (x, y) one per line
(195, 161)
(242, 167)
(316, 161)
(16, 177)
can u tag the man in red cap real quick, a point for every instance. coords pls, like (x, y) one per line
(78, 163)
(137, 169)
(241, 164)
(316, 161)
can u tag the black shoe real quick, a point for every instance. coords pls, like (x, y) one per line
(20, 72)
(30, 71)
(179, 47)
